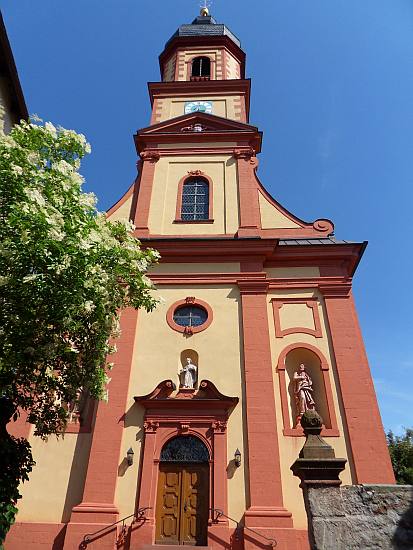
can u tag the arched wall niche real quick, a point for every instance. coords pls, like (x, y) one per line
(313, 368)
(318, 369)
(194, 357)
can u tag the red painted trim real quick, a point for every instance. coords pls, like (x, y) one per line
(278, 303)
(190, 175)
(265, 487)
(224, 65)
(121, 201)
(331, 429)
(97, 505)
(36, 536)
(226, 248)
(250, 219)
(371, 461)
(321, 225)
(189, 330)
(176, 77)
(143, 202)
(215, 122)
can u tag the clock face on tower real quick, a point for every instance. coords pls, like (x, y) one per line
(198, 106)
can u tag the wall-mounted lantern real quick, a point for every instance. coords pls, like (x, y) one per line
(129, 456)
(237, 458)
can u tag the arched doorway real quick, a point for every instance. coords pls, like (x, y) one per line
(183, 492)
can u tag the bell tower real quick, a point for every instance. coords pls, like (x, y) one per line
(208, 53)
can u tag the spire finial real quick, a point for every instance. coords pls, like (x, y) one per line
(205, 4)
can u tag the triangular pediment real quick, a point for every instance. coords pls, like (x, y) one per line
(197, 123)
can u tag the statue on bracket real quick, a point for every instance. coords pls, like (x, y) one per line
(303, 389)
(188, 374)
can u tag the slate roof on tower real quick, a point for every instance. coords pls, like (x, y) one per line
(204, 25)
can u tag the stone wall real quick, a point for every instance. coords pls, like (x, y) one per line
(360, 517)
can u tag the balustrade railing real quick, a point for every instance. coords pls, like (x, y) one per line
(240, 527)
(139, 515)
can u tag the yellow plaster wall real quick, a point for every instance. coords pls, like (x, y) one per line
(220, 361)
(291, 446)
(233, 67)
(169, 171)
(230, 267)
(290, 313)
(223, 106)
(271, 218)
(56, 482)
(169, 69)
(293, 272)
(194, 145)
(123, 212)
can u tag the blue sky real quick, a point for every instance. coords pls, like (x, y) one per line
(332, 89)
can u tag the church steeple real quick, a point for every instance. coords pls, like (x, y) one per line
(204, 37)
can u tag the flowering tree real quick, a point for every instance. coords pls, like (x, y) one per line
(65, 273)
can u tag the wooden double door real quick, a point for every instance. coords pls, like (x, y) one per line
(182, 504)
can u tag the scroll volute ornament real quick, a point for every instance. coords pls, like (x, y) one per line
(219, 426)
(150, 155)
(248, 154)
(150, 426)
(196, 173)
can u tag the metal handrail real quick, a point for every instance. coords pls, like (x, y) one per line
(220, 513)
(138, 515)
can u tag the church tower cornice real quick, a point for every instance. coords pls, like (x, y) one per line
(212, 87)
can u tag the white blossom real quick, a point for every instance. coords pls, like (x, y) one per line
(35, 196)
(89, 306)
(31, 277)
(51, 129)
(17, 170)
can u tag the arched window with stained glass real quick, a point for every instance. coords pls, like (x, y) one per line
(195, 199)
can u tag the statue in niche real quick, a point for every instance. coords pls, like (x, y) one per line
(303, 389)
(188, 374)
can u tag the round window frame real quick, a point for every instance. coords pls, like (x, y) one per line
(189, 302)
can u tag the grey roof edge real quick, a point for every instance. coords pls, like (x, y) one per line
(204, 26)
(314, 241)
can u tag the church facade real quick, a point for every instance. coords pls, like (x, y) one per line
(257, 324)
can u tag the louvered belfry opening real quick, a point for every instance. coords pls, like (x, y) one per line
(201, 69)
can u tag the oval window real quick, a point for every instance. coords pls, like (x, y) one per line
(190, 316)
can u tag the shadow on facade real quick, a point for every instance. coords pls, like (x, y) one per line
(403, 536)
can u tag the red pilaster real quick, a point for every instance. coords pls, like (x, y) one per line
(366, 435)
(250, 220)
(220, 467)
(97, 507)
(143, 203)
(266, 508)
